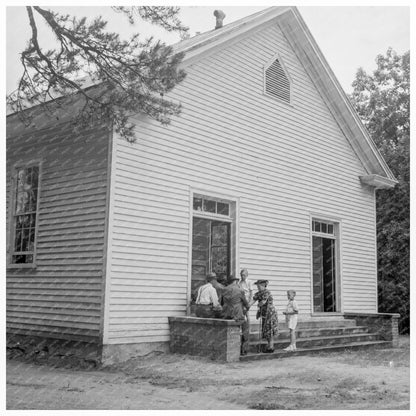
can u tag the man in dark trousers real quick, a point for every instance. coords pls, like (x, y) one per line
(235, 306)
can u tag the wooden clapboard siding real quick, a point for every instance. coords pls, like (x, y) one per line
(62, 296)
(283, 162)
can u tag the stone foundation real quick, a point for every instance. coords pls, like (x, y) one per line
(218, 339)
(53, 350)
(384, 324)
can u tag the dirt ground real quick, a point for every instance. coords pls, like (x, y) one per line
(354, 380)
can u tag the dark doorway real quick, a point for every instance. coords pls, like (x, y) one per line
(324, 275)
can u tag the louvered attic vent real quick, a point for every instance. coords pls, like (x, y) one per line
(277, 83)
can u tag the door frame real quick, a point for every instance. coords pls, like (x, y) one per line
(338, 261)
(233, 219)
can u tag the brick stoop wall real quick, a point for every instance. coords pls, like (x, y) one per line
(384, 324)
(218, 339)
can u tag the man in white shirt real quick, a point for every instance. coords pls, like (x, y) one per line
(207, 303)
(248, 289)
(246, 285)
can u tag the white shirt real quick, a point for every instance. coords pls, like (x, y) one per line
(207, 295)
(247, 286)
(292, 306)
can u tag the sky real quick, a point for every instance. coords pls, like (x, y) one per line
(349, 37)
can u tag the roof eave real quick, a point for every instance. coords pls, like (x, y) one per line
(379, 182)
(331, 91)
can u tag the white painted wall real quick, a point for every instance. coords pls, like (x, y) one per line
(283, 162)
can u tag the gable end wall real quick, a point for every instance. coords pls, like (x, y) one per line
(283, 163)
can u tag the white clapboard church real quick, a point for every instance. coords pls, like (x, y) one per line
(268, 167)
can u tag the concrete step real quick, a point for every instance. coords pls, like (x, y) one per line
(314, 332)
(278, 353)
(331, 323)
(327, 323)
(313, 342)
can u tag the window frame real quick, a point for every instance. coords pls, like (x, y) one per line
(212, 215)
(266, 66)
(12, 217)
(324, 234)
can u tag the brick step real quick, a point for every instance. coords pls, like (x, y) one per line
(314, 332)
(315, 350)
(312, 342)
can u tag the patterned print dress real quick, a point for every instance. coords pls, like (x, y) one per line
(268, 314)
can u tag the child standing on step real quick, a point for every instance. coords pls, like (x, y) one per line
(291, 319)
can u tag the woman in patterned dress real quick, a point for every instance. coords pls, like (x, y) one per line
(267, 312)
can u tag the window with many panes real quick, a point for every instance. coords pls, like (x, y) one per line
(25, 211)
(211, 206)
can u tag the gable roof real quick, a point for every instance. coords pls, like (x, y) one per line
(307, 51)
(206, 41)
(230, 30)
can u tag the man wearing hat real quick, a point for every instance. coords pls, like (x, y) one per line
(234, 302)
(207, 303)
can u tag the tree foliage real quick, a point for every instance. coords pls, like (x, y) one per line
(383, 103)
(133, 75)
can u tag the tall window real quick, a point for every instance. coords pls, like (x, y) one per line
(324, 254)
(25, 215)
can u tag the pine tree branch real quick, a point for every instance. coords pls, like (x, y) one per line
(137, 74)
